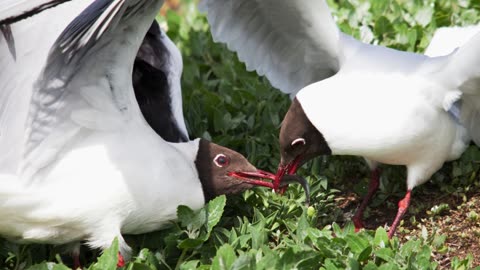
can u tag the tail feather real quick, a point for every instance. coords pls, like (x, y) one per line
(461, 73)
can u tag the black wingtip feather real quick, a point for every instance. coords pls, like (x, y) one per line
(31, 12)
(7, 34)
(152, 87)
(82, 33)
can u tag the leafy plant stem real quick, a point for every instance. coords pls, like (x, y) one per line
(181, 259)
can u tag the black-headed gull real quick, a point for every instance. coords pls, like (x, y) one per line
(354, 98)
(82, 163)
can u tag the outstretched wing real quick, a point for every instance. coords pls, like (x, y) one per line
(24, 48)
(292, 43)
(447, 39)
(86, 84)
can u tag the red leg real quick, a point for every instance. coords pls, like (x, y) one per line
(75, 251)
(402, 209)
(121, 260)
(76, 261)
(372, 189)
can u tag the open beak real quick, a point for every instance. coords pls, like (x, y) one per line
(289, 168)
(254, 178)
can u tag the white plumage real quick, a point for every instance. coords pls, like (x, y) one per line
(15, 10)
(81, 162)
(386, 105)
(447, 39)
(33, 39)
(71, 147)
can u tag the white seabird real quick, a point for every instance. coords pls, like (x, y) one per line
(352, 98)
(79, 161)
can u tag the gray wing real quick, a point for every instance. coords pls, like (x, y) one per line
(292, 43)
(24, 48)
(87, 81)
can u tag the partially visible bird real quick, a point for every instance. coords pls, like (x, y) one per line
(447, 39)
(156, 73)
(82, 163)
(352, 98)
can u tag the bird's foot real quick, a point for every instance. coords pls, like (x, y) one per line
(121, 260)
(402, 209)
(357, 221)
(76, 261)
(372, 189)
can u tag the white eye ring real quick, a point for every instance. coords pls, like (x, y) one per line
(221, 160)
(298, 141)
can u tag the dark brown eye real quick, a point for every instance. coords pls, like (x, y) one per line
(298, 142)
(221, 160)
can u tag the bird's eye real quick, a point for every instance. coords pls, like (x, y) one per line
(221, 160)
(298, 142)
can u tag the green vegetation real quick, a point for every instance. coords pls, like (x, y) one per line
(262, 230)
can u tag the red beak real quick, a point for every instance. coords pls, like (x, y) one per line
(289, 168)
(249, 177)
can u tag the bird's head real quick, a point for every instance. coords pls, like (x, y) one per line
(299, 140)
(224, 171)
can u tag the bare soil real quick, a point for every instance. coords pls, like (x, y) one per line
(458, 222)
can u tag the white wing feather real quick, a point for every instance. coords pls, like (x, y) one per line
(33, 40)
(447, 39)
(462, 72)
(292, 43)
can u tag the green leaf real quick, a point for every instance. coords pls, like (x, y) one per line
(139, 266)
(423, 16)
(190, 243)
(48, 266)
(288, 260)
(185, 215)
(365, 254)
(224, 258)
(330, 265)
(370, 266)
(244, 262)
(109, 258)
(410, 247)
(302, 226)
(383, 26)
(385, 254)
(353, 264)
(40, 266)
(189, 265)
(337, 230)
(356, 243)
(388, 266)
(215, 210)
(381, 237)
(259, 234)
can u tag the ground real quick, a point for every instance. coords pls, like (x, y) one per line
(459, 221)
